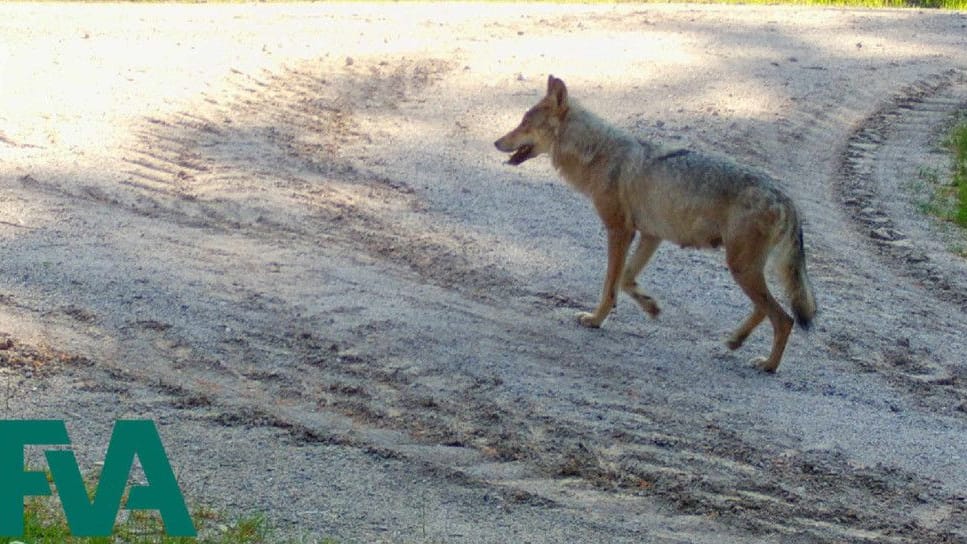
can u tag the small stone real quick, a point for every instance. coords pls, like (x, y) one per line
(884, 233)
(901, 244)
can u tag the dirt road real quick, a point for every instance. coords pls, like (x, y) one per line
(282, 233)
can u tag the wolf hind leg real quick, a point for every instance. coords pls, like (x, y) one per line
(639, 259)
(747, 262)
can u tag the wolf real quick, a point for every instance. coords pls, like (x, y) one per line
(690, 198)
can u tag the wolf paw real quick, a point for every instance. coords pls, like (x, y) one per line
(765, 365)
(647, 303)
(589, 320)
(736, 342)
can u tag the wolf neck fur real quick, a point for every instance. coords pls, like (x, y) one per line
(584, 143)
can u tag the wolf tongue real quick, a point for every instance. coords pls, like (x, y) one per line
(522, 154)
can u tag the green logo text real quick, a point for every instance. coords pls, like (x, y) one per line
(85, 517)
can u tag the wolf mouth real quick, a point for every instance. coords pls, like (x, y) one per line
(522, 154)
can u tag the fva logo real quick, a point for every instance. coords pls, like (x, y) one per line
(85, 517)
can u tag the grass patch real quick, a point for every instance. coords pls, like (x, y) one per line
(45, 523)
(947, 198)
(943, 191)
(957, 143)
(939, 200)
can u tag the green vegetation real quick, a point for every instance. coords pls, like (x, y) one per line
(45, 523)
(957, 142)
(945, 191)
(937, 201)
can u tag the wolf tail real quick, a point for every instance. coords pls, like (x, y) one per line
(791, 266)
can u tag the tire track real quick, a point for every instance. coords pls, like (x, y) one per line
(652, 450)
(309, 130)
(649, 448)
(870, 169)
(879, 170)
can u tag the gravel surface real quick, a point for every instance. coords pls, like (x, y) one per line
(282, 233)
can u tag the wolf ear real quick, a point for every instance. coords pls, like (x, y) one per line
(557, 91)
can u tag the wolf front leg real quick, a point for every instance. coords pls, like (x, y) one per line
(619, 240)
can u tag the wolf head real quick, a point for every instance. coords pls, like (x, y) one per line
(537, 130)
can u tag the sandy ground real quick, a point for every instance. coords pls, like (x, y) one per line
(282, 233)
